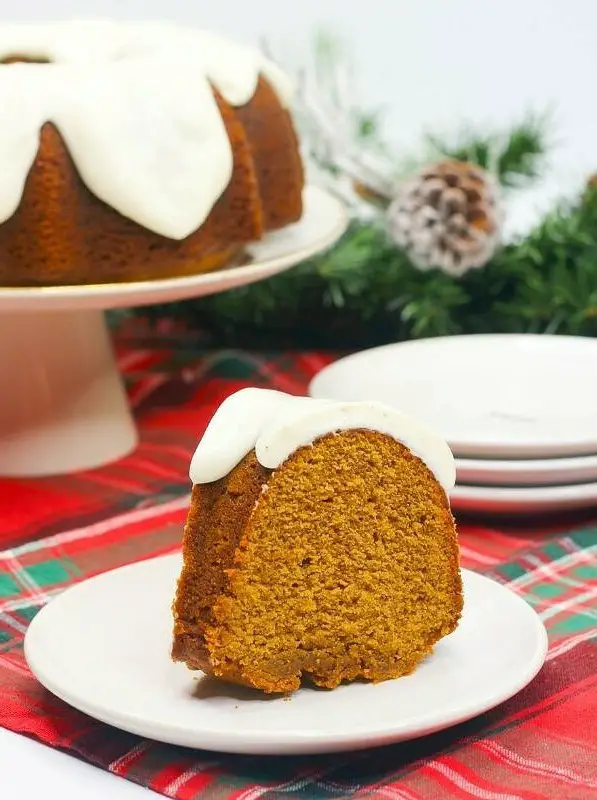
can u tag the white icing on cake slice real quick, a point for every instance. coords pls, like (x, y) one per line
(275, 425)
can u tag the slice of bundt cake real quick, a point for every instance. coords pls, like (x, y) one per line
(319, 544)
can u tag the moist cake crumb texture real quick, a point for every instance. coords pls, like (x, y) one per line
(340, 565)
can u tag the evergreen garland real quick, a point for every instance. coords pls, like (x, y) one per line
(365, 291)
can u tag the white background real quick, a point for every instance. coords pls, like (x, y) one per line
(432, 64)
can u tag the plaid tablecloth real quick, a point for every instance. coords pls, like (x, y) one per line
(541, 744)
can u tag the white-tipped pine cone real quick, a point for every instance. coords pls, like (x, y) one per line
(447, 217)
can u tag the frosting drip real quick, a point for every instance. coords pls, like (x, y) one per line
(134, 104)
(275, 424)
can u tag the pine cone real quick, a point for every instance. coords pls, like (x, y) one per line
(446, 217)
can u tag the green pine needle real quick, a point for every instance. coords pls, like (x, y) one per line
(516, 157)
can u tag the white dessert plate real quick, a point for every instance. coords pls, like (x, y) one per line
(103, 646)
(523, 500)
(491, 396)
(523, 472)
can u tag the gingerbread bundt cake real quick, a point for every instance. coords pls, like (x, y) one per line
(319, 544)
(135, 151)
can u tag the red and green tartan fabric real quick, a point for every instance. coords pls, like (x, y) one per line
(540, 745)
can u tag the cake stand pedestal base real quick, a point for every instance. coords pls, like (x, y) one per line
(63, 406)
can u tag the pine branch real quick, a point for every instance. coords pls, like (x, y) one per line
(523, 156)
(515, 157)
(365, 292)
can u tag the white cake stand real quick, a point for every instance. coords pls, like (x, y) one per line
(63, 406)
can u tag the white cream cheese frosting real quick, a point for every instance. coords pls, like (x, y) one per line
(275, 424)
(135, 107)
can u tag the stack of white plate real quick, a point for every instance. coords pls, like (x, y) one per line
(519, 412)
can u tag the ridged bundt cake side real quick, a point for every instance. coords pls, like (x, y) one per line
(340, 564)
(62, 233)
(275, 148)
